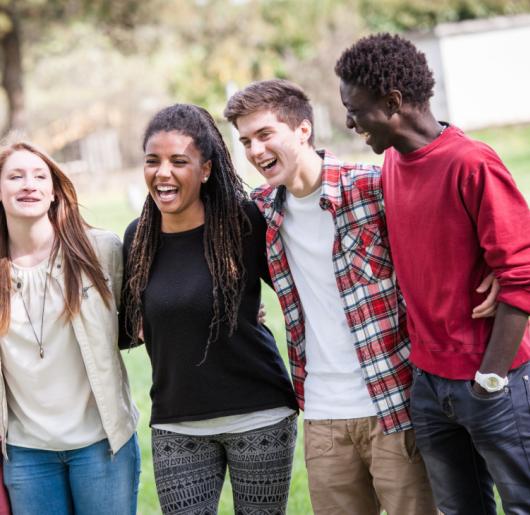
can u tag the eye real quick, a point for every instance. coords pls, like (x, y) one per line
(16, 176)
(179, 162)
(245, 143)
(151, 161)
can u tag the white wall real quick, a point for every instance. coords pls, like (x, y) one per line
(482, 69)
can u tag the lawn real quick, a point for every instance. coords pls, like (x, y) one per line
(110, 210)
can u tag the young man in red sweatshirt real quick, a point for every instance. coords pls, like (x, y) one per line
(453, 214)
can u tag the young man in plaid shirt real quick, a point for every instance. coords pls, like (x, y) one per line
(346, 325)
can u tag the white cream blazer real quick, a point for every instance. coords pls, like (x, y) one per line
(96, 332)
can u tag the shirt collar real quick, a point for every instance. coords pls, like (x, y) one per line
(330, 190)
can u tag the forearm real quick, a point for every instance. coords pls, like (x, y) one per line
(508, 330)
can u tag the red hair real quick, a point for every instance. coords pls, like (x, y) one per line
(78, 255)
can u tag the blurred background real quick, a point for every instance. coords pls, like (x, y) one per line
(81, 78)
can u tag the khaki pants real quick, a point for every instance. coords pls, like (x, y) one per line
(355, 469)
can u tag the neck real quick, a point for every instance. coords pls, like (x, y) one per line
(418, 130)
(309, 175)
(30, 242)
(189, 219)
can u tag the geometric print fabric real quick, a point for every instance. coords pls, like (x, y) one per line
(190, 470)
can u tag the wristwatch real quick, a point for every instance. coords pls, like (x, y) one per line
(491, 382)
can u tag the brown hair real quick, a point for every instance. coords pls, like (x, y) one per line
(224, 227)
(285, 99)
(78, 255)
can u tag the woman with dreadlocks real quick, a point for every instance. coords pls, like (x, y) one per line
(221, 395)
(67, 421)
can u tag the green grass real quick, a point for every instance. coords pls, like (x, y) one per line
(110, 211)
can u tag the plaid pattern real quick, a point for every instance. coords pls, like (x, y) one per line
(372, 302)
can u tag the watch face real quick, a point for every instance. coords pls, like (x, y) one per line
(492, 382)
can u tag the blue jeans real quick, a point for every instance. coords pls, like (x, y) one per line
(84, 481)
(470, 441)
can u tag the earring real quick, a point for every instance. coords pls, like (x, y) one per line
(204, 179)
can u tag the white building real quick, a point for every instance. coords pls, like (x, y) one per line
(482, 71)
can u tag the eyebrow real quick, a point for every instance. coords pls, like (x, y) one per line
(172, 155)
(20, 170)
(261, 129)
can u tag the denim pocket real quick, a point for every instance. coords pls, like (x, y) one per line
(318, 438)
(486, 396)
(523, 417)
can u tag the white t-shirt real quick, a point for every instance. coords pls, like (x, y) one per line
(230, 423)
(334, 387)
(50, 403)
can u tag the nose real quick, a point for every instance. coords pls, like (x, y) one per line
(164, 170)
(350, 123)
(256, 148)
(29, 183)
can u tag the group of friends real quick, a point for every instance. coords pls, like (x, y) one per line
(405, 291)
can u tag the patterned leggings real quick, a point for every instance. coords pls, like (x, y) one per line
(190, 470)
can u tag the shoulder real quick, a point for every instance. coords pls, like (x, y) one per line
(364, 176)
(359, 176)
(251, 210)
(361, 179)
(130, 232)
(263, 195)
(475, 159)
(255, 217)
(104, 240)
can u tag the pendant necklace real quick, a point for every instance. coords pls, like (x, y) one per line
(19, 288)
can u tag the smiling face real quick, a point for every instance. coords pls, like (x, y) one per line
(272, 147)
(26, 186)
(368, 115)
(174, 171)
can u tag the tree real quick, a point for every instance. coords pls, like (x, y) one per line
(28, 20)
(404, 15)
(221, 41)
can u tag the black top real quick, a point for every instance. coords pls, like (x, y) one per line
(242, 373)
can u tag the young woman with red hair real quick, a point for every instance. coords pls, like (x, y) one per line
(67, 421)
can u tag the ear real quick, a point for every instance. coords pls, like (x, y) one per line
(206, 170)
(305, 130)
(393, 102)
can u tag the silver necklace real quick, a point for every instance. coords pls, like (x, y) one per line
(19, 288)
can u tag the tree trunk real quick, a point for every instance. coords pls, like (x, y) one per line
(12, 75)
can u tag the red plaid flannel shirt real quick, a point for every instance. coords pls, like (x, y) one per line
(372, 302)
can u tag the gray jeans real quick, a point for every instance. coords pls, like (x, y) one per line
(470, 441)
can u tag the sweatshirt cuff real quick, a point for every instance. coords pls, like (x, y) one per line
(515, 296)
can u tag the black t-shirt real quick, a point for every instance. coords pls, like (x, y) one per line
(242, 373)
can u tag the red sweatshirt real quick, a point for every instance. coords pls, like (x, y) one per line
(454, 213)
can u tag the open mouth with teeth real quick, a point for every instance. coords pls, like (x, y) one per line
(268, 165)
(167, 192)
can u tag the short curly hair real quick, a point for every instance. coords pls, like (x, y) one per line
(383, 62)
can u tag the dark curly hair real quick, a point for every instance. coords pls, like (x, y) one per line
(383, 62)
(225, 224)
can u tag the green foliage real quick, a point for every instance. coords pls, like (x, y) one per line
(218, 42)
(404, 15)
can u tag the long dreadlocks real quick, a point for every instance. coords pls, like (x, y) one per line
(225, 224)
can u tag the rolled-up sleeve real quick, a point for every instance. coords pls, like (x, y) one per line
(502, 217)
